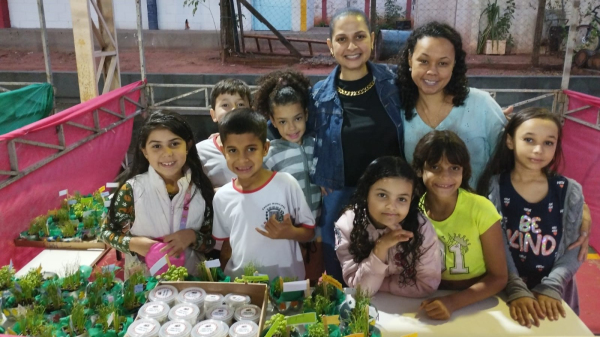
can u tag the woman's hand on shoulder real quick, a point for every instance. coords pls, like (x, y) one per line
(508, 111)
(141, 245)
(551, 307)
(526, 310)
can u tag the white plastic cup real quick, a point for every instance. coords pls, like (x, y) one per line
(212, 300)
(175, 329)
(145, 327)
(236, 300)
(185, 312)
(158, 311)
(247, 312)
(193, 295)
(221, 313)
(210, 328)
(244, 329)
(164, 293)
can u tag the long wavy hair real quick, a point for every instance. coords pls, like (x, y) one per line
(360, 244)
(436, 145)
(458, 85)
(180, 127)
(503, 160)
(281, 87)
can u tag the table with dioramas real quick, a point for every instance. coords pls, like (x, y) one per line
(78, 301)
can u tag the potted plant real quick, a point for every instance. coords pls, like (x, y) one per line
(30, 322)
(89, 226)
(62, 215)
(280, 323)
(174, 273)
(68, 229)
(316, 330)
(71, 282)
(7, 274)
(24, 289)
(133, 292)
(93, 294)
(52, 296)
(492, 40)
(35, 226)
(76, 323)
(110, 322)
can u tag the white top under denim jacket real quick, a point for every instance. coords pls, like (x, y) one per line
(560, 283)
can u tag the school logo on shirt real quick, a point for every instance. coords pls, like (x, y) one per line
(506, 202)
(540, 267)
(550, 207)
(561, 183)
(274, 209)
(527, 210)
(554, 230)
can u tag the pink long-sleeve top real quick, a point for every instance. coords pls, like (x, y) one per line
(374, 275)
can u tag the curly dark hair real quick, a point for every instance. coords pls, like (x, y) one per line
(360, 245)
(503, 160)
(458, 85)
(281, 87)
(439, 144)
(175, 123)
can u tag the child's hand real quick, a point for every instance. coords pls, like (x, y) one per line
(550, 307)
(394, 237)
(522, 308)
(277, 230)
(437, 308)
(178, 241)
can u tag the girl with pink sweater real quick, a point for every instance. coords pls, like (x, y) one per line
(383, 242)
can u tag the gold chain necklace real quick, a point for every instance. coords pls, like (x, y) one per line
(357, 92)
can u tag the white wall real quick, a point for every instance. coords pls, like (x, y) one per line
(172, 15)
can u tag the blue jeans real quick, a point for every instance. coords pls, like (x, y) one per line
(333, 203)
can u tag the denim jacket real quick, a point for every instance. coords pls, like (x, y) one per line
(325, 119)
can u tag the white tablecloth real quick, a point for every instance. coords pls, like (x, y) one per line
(399, 316)
(55, 260)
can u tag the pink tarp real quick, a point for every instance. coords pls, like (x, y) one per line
(581, 147)
(83, 169)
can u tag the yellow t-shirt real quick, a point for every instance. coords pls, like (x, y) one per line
(462, 254)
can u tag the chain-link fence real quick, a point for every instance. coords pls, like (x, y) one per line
(305, 22)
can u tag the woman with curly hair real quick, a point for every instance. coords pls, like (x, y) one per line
(283, 98)
(432, 79)
(383, 241)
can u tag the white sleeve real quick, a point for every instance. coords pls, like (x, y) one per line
(221, 230)
(299, 209)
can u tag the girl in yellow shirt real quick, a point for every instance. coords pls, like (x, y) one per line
(468, 225)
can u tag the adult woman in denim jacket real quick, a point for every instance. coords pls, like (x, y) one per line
(355, 116)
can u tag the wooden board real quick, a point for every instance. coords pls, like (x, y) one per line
(59, 245)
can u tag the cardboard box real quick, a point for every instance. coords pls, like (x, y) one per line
(258, 292)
